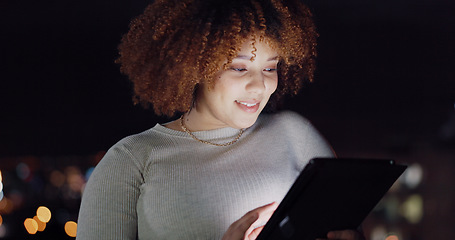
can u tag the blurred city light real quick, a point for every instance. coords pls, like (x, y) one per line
(392, 237)
(1, 187)
(413, 175)
(41, 224)
(31, 225)
(88, 173)
(43, 214)
(2, 231)
(23, 171)
(378, 233)
(54, 188)
(55, 183)
(71, 228)
(57, 178)
(412, 208)
(6, 206)
(75, 180)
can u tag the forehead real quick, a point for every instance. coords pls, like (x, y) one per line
(250, 46)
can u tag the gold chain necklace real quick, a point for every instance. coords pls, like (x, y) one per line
(182, 125)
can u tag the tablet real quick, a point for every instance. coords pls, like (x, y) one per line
(331, 194)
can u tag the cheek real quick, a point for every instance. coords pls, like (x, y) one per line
(228, 86)
(223, 91)
(272, 85)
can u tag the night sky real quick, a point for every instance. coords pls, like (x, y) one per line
(384, 87)
(386, 69)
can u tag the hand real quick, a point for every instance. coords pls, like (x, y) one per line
(250, 225)
(345, 235)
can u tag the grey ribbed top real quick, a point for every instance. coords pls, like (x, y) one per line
(162, 184)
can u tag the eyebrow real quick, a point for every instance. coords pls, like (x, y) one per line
(245, 57)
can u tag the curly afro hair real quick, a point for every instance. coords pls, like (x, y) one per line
(177, 44)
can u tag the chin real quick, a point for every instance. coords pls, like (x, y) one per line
(246, 124)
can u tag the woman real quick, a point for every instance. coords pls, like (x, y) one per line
(219, 170)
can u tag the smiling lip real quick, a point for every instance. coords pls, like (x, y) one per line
(248, 106)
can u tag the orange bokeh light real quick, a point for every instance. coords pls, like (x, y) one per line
(41, 225)
(31, 225)
(6, 206)
(71, 228)
(392, 237)
(43, 214)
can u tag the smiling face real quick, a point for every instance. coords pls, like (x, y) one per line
(240, 92)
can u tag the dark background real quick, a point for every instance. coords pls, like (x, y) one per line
(385, 87)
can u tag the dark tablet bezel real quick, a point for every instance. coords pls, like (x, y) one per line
(331, 194)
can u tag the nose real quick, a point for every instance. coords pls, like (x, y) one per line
(255, 83)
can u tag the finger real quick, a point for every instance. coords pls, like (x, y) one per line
(265, 212)
(238, 228)
(242, 228)
(255, 233)
(245, 222)
(344, 235)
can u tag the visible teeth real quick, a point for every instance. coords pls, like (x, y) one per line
(247, 104)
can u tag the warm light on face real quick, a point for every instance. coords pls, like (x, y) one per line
(71, 228)
(239, 93)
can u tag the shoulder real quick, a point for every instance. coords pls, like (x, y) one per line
(134, 143)
(296, 131)
(290, 126)
(285, 120)
(292, 117)
(130, 152)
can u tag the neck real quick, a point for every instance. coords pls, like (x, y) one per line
(195, 121)
(185, 129)
(191, 122)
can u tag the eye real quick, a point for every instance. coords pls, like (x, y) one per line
(270, 69)
(238, 69)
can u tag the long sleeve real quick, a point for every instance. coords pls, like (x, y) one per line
(162, 184)
(108, 208)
